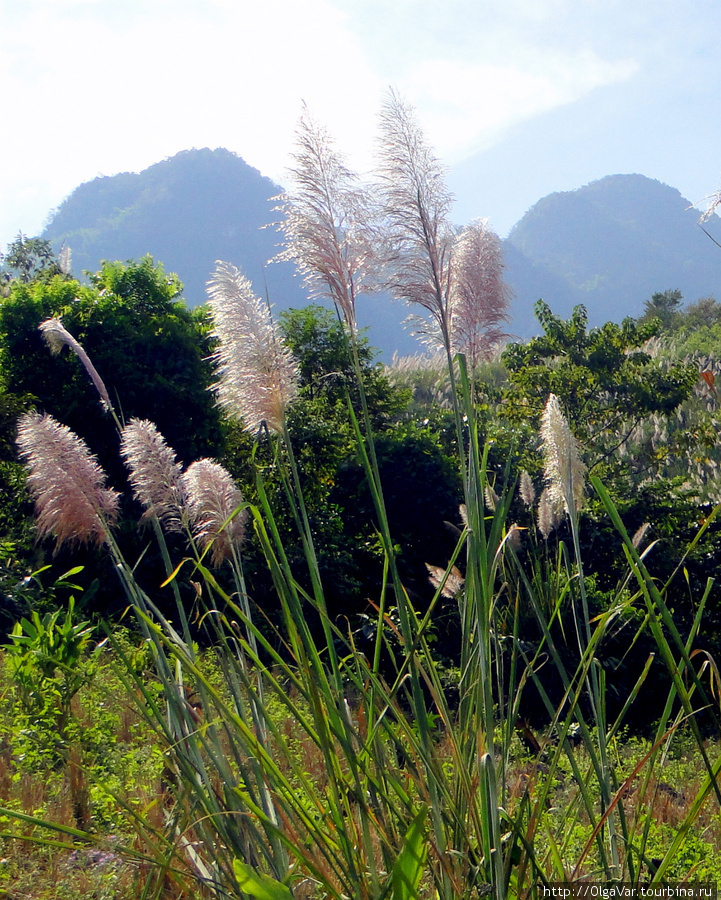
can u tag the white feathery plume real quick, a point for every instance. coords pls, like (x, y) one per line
(212, 498)
(416, 203)
(463, 512)
(713, 201)
(56, 336)
(526, 489)
(71, 501)
(480, 298)
(65, 259)
(564, 471)
(257, 375)
(548, 514)
(155, 475)
(327, 222)
(454, 582)
(491, 497)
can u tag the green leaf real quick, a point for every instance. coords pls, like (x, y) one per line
(260, 886)
(408, 869)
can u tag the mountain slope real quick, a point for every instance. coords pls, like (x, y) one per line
(187, 211)
(611, 245)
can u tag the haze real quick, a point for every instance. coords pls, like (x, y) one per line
(520, 97)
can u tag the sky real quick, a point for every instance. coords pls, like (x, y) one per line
(519, 98)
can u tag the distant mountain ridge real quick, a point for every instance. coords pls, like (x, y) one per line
(187, 211)
(609, 245)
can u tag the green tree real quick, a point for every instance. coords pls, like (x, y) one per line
(28, 258)
(607, 382)
(704, 313)
(664, 306)
(150, 350)
(153, 356)
(323, 352)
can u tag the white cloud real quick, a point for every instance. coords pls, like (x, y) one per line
(97, 86)
(96, 92)
(467, 106)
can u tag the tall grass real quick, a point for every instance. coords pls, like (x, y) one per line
(320, 770)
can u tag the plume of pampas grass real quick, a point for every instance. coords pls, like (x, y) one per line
(71, 501)
(564, 471)
(480, 298)
(155, 476)
(491, 497)
(327, 217)
(526, 490)
(56, 336)
(713, 201)
(548, 514)
(65, 259)
(257, 375)
(640, 535)
(416, 203)
(454, 582)
(213, 499)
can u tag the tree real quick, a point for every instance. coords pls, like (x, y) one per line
(28, 258)
(704, 313)
(664, 306)
(605, 379)
(150, 350)
(324, 355)
(152, 354)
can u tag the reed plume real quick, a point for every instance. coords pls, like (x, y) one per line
(257, 375)
(416, 203)
(213, 500)
(56, 336)
(480, 298)
(155, 475)
(548, 514)
(564, 471)
(327, 222)
(526, 489)
(71, 501)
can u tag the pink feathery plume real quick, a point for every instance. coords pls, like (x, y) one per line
(71, 501)
(327, 222)
(416, 204)
(564, 471)
(56, 337)
(480, 297)
(155, 475)
(213, 499)
(257, 375)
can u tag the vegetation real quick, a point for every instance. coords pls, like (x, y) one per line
(328, 638)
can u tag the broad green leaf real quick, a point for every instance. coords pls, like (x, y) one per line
(260, 886)
(408, 869)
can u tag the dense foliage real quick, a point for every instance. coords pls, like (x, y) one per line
(391, 573)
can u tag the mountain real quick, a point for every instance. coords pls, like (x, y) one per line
(189, 211)
(609, 245)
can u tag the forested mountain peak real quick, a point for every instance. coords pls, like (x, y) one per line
(187, 211)
(609, 245)
(613, 243)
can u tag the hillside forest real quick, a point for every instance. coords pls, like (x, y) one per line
(281, 621)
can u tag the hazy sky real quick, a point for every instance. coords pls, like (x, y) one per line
(519, 97)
